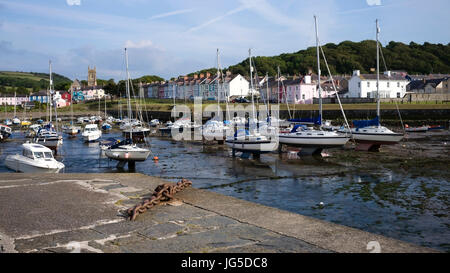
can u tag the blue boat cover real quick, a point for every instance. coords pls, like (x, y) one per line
(241, 130)
(315, 120)
(298, 126)
(366, 123)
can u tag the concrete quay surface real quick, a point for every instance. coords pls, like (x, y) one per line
(85, 213)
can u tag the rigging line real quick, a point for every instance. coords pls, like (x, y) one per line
(335, 90)
(389, 79)
(285, 98)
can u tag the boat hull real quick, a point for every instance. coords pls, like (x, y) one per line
(127, 155)
(320, 142)
(379, 139)
(14, 163)
(265, 146)
(51, 143)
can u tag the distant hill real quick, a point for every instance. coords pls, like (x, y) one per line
(348, 56)
(27, 82)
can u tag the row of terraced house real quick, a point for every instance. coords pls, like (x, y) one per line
(297, 89)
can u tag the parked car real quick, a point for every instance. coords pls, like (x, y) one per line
(241, 100)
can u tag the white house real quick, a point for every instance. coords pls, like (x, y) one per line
(365, 85)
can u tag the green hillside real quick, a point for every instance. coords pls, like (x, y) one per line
(348, 56)
(27, 82)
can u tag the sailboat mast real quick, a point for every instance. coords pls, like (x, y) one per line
(127, 87)
(251, 81)
(50, 91)
(318, 70)
(15, 102)
(378, 71)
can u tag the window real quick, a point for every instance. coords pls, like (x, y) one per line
(387, 84)
(359, 84)
(398, 94)
(303, 96)
(368, 84)
(398, 84)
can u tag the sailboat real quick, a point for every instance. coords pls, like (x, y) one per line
(251, 141)
(71, 130)
(24, 121)
(106, 126)
(369, 134)
(313, 141)
(47, 135)
(215, 128)
(125, 151)
(15, 120)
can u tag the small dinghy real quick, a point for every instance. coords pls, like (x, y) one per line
(421, 129)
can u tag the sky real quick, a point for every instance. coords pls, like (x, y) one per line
(173, 37)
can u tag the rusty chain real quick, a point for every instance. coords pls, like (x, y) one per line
(163, 192)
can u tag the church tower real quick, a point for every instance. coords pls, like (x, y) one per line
(92, 76)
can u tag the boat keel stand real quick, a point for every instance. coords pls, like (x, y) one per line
(131, 165)
(308, 151)
(368, 147)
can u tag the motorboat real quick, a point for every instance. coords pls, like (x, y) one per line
(5, 131)
(25, 123)
(71, 130)
(48, 137)
(8, 122)
(91, 133)
(35, 158)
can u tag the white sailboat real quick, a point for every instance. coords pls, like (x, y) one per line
(15, 120)
(71, 130)
(251, 141)
(35, 158)
(126, 151)
(313, 141)
(47, 135)
(369, 134)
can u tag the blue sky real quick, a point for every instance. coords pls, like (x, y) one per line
(174, 37)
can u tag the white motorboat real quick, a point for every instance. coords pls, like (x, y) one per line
(313, 141)
(71, 130)
(91, 133)
(33, 130)
(35, 158)
(5, 131)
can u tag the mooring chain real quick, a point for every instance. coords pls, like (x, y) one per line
(162, 193)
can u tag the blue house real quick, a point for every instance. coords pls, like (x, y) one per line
(78, 95)
(40, 96)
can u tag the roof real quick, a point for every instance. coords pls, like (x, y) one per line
(420, 84)
(382, 77)
(36, 147)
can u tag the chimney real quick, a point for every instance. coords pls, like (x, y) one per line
(228, 73)
(387, 73)
(185, 78)
(202, 75)
(195, 76)
(208, 74)
(307, 79)
(356, 73)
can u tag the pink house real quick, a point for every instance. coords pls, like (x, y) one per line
(301, 90)
(9, 99)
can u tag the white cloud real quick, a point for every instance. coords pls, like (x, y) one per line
(373, 2)
(73, 2)
(140, 44)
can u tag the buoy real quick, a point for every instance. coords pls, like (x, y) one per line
(155, 158)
